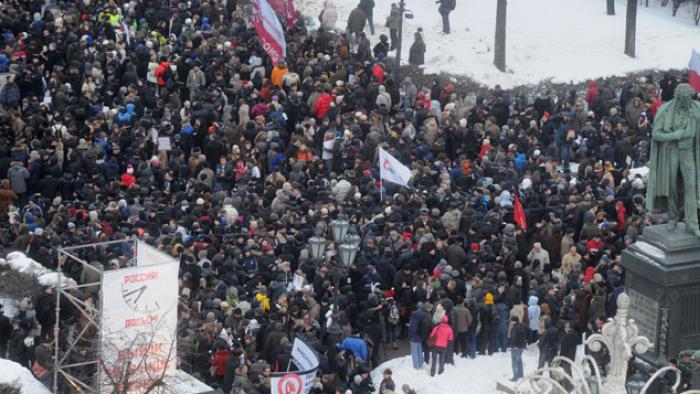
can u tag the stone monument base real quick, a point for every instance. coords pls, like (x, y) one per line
(663, 283)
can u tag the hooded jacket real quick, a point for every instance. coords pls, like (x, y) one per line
(533, 312)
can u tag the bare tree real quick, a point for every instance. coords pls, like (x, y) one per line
(610, 7)
(631, 28)
(500, 47)
(140, 365)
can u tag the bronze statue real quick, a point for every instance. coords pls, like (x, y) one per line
(674, 164)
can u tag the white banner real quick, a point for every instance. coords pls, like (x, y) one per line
(148, 255)
(304, 356)
(270, 32)
(392, 170)
(306, 360)
(139, 325)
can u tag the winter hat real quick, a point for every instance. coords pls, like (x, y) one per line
(463, 123)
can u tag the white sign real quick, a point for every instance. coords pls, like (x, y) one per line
(306, 360)
(164, 143)
(303, 356)
(298, 282)
(139, 323)
(151, 73)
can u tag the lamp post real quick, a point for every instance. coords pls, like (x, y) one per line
(347, 252)
(409, 15)
(339, 229)
(353, 239)
(317, 247)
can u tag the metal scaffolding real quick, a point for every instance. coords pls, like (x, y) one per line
(64, 364)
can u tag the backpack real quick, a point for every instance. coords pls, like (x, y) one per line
(167, 74)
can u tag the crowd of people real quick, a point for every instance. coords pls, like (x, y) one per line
(165, 121)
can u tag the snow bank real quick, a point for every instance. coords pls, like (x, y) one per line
(558, 40)
(479, 375)
(9, 306)
(19, 262)
(15, 373)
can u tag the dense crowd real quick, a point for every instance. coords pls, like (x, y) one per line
(230, 164)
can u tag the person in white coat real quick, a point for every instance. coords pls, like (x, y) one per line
(329, 16)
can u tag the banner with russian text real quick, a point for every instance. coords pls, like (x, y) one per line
(139, 326)
(270, 32)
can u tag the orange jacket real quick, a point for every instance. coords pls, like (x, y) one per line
(305, 155)
(277, 74)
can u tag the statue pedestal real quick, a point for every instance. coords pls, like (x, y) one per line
(663, 283)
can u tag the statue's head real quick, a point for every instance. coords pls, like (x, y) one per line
(684, 94)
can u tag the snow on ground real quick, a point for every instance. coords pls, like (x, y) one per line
(9, 306)
(479, 375)
(19, 262)
(561, 40)
(13, 372)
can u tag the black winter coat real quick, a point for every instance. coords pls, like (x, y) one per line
(416, 55)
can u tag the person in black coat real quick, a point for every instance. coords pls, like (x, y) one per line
(568, 343)
(5, 332)
(17, 352)
(416, 55)
(549, 340)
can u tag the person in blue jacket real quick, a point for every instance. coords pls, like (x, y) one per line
(356, 345)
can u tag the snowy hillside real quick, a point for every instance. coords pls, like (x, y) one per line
(562, 40)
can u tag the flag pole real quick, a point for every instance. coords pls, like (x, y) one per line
(381, 191)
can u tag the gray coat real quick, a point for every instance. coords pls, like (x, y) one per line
(18, 175)
(463, 318)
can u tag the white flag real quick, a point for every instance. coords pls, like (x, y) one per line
(392, 170)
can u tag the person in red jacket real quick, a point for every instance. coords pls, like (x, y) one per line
(128, 177)
(161, 74)
(378, 72)
(322, 105)
(218, 364)
(441, 334)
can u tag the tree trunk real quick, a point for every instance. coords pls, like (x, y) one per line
(611, 7)
(500, 48)
(631, 27)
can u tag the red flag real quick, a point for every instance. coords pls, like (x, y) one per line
(269, 30)
(286, 9)
(519, 214)
(694, 71)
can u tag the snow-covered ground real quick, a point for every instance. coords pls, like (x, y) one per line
(561, 40)
(19, 262)
(479, 375)
(13, 372)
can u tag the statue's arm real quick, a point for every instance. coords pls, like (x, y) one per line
(660, 136)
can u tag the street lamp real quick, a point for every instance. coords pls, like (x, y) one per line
(347, 252)
(408, 15)
(317, 247)
(353, 239)
(339, 229)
